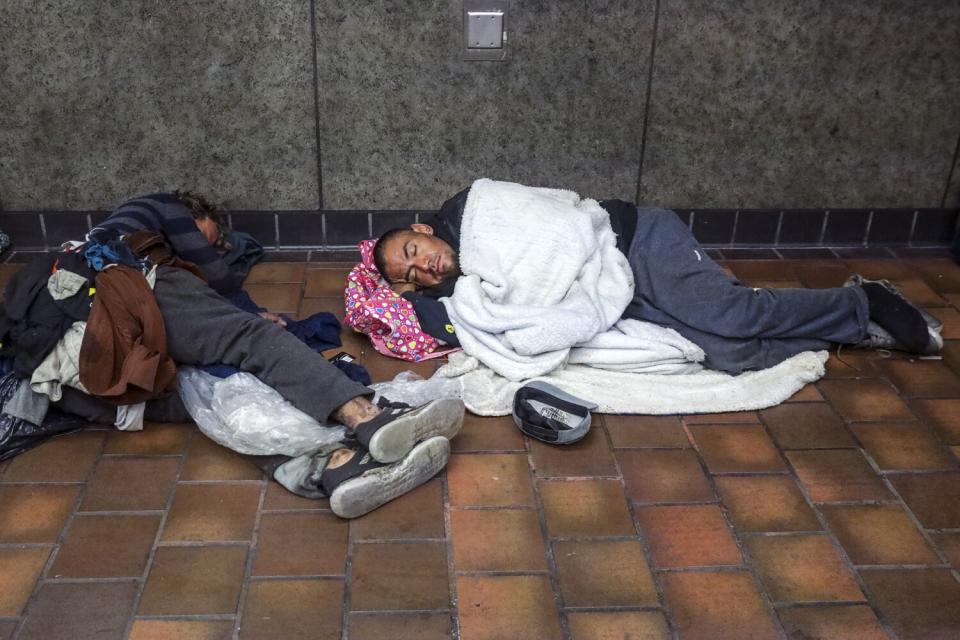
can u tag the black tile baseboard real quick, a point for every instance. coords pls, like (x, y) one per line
(262, 226)
(714, 227)
(383, 221)
(25, 229)
(300, 229)
(934, 226)
(63, 227)
(346, 227)
(889, 226)
(801, 226)
(846, 227)
(758, 228)
(747, 228)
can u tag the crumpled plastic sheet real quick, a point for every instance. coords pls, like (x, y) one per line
(244, 414)
(409, 388)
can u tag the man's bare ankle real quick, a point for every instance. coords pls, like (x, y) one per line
(355, 412)
(339, 458)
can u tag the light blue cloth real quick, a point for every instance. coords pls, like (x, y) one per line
(64, 284)
(27, 405)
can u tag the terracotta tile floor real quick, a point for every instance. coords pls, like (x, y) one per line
(834, 515)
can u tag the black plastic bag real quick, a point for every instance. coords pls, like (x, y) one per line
(18, 435)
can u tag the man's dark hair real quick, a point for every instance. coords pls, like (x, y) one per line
(201, 208)
(380, 251)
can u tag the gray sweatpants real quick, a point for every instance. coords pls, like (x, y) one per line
(739, 328)
(203, 328)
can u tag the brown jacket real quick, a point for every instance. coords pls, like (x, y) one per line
(123, 358)
(152, 246)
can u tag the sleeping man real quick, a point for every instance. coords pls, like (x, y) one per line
(543, 269)
(389, 451)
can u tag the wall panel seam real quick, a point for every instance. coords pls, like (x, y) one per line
(316, 99)
(953, 166)
(648, 99)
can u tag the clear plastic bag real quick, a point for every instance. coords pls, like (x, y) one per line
(409, 388)
(242, 413)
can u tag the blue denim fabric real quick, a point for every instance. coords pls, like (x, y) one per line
(739, 328)
(105, 247)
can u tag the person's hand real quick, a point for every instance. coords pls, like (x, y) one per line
(274, 318)
(403, 287)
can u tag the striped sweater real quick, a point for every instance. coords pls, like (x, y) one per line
(164, 213)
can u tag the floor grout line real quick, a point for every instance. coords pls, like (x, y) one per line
(838, 547)
(55, 551)
(451, 560)
(741, 546)
(644, 544)
(553, 572)
(251, 556)
(148, 566)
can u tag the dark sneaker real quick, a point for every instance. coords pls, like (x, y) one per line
(880, 338)
(390, 435)
(378, 483)
(359, 464)
(932, 321)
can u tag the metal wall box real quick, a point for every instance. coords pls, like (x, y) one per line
(485, 29)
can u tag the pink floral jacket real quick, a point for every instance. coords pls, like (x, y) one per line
(374, 309)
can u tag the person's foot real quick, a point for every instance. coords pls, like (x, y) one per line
(392, 433)
(932, 321)
(362, 484)
(906, 323)
(879, 338)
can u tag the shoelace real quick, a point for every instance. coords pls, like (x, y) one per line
(384, 403)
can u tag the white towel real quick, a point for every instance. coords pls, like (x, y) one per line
(487, 394)
(542, 274)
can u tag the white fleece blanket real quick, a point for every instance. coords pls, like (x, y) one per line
(543, 286)
(487, 394)
(639, 347)
(541, 274)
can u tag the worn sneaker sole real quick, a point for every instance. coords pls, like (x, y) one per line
(933, 322)
(935, 345)
(376, 487)
(880, 338)
(392, 441)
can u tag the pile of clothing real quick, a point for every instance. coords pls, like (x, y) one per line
(82, 340)
(84, 322)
